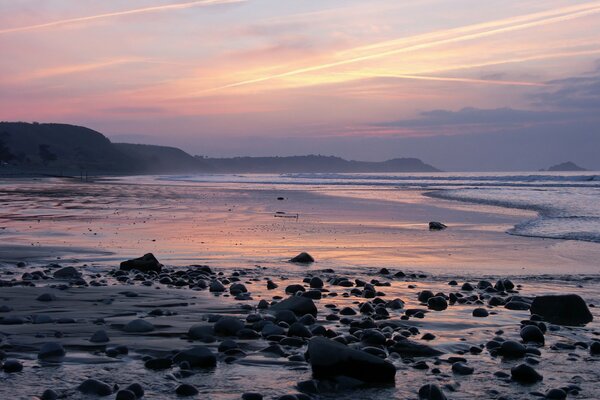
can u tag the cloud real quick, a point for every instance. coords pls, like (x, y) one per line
(144, 10)
(579, 93)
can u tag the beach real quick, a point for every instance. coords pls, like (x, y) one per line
(246, 232)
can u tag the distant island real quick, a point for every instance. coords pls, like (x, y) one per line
(57, 149)
(566, 167)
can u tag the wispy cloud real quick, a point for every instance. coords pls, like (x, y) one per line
(144, 10)
(433, 39)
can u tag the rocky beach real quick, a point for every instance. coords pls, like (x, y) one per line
(138, 289)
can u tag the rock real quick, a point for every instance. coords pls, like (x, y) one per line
(316, 282)
(408, 348)
(226, 345)
(462, 369)
(67, 273)
(146, 263)
(138, 326)
(252, 396)
(523, 373)
(125, 395)
(480, 312)
(186, 390)
(303, 258)
(95, 387)
(293, 289)
(137, 389)
(216, 286)
(100, 337)
(202, 332)
(197, 357)
(299, 330)
(512, 349)
(437, 303)
(595, 348)
(531, 333)
(568, 309)
(556, 394)
(297, 304)
(436, 226)
(49, 394)
(45, 297)
(330, 359)
(425, 295)
(158, 364)
(52, 350)
(517, 305)
(347, 311)
(11, 366)
(431, 392)
(228, 326)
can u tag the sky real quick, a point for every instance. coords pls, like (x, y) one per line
(461, 84)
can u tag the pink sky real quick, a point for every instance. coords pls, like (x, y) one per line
(216, 76)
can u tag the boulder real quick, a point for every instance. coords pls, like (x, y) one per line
(330, 359)
(197, 357)
(303, 258)
(297, 304)
(146, 263)
(566, 309)
(67, 273)
(436, 226)
(523, 373)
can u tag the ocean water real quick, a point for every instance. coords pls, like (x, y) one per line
(567, 203)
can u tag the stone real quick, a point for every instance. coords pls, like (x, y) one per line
(146, 263)
(531, 333)
(425, 295)
(316, 282)
(100, 336)
(138, 326)
(556, 394)
(297, 304)
(408, 348)
(11, 366)
(95, 387)
(480, 312)
(67, 273)
(228, 326)
(202, 332)
(436, 226)
(567, 309)
(512, 349)
(330, 359)
(523, 373)
(197, 357)
(431, 392)
(437, 303)
(216, 286)
(462, 369)
(252, 396)
(137, 389)
(125, 395)
(303, 258)
(185, 390)
(46, 297)
(51, 350)
(49, 394)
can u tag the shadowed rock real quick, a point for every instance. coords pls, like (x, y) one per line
(436, 226)
(299, 305)
(303, 258)
(408, 348)
(330, 359)
(565, 309)
(146, 263)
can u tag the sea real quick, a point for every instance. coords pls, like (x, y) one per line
(567, 203)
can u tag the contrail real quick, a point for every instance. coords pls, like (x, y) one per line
(451, 79)
(177, 6)
(497, 27)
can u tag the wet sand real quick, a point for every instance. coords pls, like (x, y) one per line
(351, 233)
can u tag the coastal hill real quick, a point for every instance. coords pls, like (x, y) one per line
(69, 149)
(566, 167)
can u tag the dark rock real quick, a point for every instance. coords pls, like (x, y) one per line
(569, 309)
(252, 396)
(297, 304)
(437, 303)
(67, 273)
(462, 369)
(202, 332)
(157, 364)
(512, 349)
(95, 387)
(137, 389)
(330, 359)
(186, 390)
(316, 282)
(517, 305)
(595, 348)
(425, 295)
(52, 350)
(99, 337)
(49, 394)
(197, 357)
(523, 373)
(216, 286)
(480, 312)
(436, 226)
(531, 333)
(431, 392)
(293, 289)
(138, 326)
(146, 263)
(125, 395)
(556, 394)
(408, 348)
(45, 297)
(11, 366)
(228, 326)
(303, 258)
